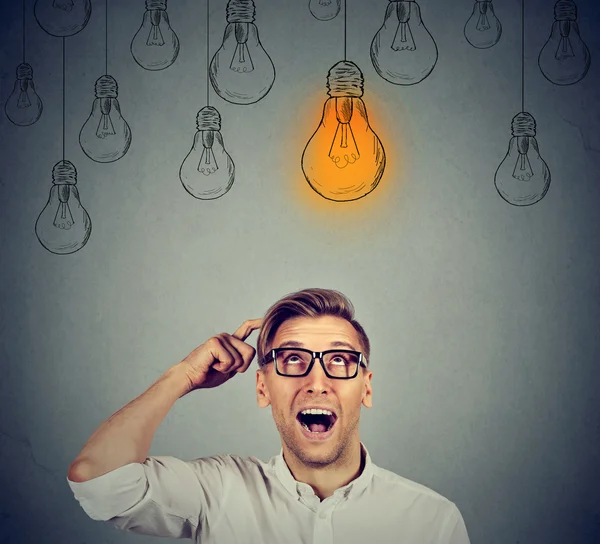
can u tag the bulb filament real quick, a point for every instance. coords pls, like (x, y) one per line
(63, 218)
(403, 39)
(208, 163)
(105, 126)
(155, 36)
(23, 101)
(564, 49)
(241, 60)
(343, 150)
(522, 170)
(483, 22)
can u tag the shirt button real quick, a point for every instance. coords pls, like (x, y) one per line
(322, 515)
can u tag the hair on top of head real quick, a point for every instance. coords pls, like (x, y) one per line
(314, 302)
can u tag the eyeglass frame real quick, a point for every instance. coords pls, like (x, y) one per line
(271, 357)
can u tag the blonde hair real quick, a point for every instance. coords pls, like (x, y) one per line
(313, 302)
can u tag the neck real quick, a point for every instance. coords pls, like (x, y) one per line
(327, 478)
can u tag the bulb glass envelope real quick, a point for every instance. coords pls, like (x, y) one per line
(62, 18)
(64, 225)
(24, 106)
(403, 51)
(483, 29)
(344, 159)
(155, 46)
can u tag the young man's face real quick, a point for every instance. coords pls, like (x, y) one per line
(288, 396)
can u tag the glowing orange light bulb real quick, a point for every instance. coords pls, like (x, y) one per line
(344, 159)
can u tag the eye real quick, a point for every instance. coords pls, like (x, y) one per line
(338, 360)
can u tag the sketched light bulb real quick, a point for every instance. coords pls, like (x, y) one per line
(344, 159)
(564, 59)
(24, 106)
(155, 45)
(62, 17)
(483, 29)
(64, 225)
(105, 136)
(207, 172)
(403, 51)
(523, 177)
(241, 71)
(324, 10)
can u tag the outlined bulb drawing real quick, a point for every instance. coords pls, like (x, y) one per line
(523, 177)
(344, 159)
(483, 29)
(324, 10)
(207, 172)
(155, 45)
(241, 71)
(403, 51)
(564, 59)
(24, 106)
(105, 136)
(63, 17)
(64, 225)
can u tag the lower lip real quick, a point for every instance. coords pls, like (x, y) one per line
(316, 437)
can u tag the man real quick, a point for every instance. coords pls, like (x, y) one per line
(323, 487)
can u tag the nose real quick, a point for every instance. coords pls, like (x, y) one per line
(317, 380)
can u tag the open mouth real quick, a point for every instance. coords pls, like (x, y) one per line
(316, 420)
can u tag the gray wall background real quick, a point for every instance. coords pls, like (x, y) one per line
(483, 316)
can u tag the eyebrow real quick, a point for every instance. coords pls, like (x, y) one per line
(336, 344)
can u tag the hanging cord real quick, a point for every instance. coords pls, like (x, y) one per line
(63, 98)
(522, 55)
(207, 44)
(106, 37)
(345, 30)
(23, 31)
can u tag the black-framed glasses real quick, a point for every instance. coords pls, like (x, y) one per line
(340, 364)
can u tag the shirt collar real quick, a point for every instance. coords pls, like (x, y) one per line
(352, 489)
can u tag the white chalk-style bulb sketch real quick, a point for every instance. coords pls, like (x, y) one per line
(105, 136)
(523, 177)
(403, 51)
(207, 172)
(483, 29)
(344, 159)
(155, 45)
(63, 18)
(324, 10)
(64, 225)
(24, 106)
(241, 71)
(564, 59)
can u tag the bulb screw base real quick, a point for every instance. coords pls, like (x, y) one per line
(523, 124)
(565, 10)
(345, 79)
(208, 118)
(64, 173)
(24, 71)
(240, 11)
(106, 87)
(156, 4)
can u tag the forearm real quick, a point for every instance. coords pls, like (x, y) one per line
(127, 435)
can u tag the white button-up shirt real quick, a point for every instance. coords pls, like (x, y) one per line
(227, 499)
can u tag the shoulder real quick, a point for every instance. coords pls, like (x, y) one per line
(404, 490)
(222, 463)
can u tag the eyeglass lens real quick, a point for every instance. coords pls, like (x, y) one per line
(338, 363)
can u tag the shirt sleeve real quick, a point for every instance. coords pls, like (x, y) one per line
(164, 496)
(456, 529)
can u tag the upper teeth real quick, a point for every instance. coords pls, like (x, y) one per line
(317, 411)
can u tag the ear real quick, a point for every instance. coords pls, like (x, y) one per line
(367, 398)
(262, 391)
